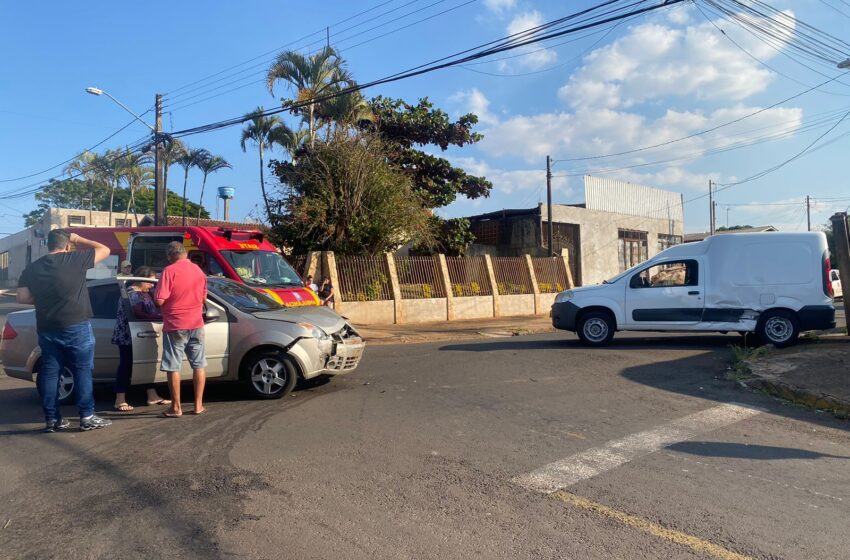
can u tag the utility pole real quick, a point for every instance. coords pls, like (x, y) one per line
(808, 213)
(160, 193)
(710, 210)
(727, 216)
(842, 252)
(549, 206)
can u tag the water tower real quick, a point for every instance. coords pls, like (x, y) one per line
(226, 194)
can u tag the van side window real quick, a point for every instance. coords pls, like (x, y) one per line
(667, 275)
(149, 250)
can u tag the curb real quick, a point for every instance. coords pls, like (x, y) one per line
(818, 401)
(507, 332)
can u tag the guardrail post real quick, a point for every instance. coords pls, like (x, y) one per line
(535, 289)
(395, 288)
(329, 270)
(443, 266)
(497, 307)
(565, 254)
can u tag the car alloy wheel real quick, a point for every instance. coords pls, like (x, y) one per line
(66, 387)
(271, 374)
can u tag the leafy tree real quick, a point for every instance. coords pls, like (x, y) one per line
(311, 76)
(452, 237)
(74, 193)
(172, 150)
(207, 165)
(734, 228)
(405, 128)
(344, 195)
(265, 132)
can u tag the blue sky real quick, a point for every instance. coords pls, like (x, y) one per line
(647, 81)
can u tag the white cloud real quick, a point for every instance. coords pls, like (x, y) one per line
(499, 5)
(534, 56)
(656, 61)
(473, 101)
(526, 182)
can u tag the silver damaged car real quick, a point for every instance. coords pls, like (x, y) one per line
(249, 337)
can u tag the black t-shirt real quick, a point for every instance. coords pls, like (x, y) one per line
(58, 286)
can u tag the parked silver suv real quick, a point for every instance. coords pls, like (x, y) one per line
(249, 337)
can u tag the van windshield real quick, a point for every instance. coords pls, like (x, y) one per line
(262, 268)
(625, 273)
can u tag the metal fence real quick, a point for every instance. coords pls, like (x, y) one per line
(298, 262)
(419, 277)
(551, 274)
(363, 278)
(468, 276)
(512, 276)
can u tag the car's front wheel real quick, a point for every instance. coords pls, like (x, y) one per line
(66, 387)
(270, 374)
(596, 328)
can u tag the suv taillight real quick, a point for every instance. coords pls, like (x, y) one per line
(8, 332)
(827, 282)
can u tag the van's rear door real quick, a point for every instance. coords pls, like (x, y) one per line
(666, 296)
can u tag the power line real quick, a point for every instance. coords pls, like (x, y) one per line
(69, 160)
(511, 42)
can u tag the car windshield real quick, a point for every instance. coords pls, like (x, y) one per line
(240, 296)
(262, 268)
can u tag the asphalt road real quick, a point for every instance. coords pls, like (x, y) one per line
(523, 447)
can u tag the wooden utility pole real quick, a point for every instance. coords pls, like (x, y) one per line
(842, 253)
(549, 206)
(710, 208)
(160, 193)
(808, 213)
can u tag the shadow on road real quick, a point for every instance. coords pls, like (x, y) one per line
(745, 451)
(671, 342)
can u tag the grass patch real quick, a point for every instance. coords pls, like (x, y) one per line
(739, 369)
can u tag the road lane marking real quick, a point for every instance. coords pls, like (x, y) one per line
(587, 464)
(694, 543)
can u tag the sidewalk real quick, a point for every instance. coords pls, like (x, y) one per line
(455, 330)
(815, 374)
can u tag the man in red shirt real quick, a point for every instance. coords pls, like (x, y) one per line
(180, 293)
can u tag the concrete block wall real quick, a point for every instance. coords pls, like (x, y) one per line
(426, 310)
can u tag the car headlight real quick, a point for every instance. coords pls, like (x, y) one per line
(314, 331)
(564, 296)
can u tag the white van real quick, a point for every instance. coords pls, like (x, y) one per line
(773, 284)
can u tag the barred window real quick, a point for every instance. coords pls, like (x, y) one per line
(666, 241)
(76, 220)
(123, 222)
(632, 248)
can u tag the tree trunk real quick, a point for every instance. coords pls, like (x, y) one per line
(263, 185)
(312, 127)
(201, 200)
(111, 199)
(185, 182)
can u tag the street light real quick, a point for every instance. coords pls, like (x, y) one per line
(160, 198)
(99, 92)
(845, 64)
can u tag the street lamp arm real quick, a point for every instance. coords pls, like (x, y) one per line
(97, 91)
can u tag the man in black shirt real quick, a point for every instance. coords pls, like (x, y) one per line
(56, 285)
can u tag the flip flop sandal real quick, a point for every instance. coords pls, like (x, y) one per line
(123, 407)
(167, 414)
(159, 402)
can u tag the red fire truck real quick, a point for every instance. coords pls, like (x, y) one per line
(244, 256)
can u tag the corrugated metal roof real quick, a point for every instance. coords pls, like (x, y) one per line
(611, 195)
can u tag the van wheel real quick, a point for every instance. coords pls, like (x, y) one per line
(270, 374)
(66, 386)
(596, 329)
(778, 327)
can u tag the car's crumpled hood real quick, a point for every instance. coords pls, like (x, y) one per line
(322, 317)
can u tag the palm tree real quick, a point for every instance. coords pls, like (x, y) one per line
(311, 76)
(82, 166)
(137, 175)
(189, 159)
(107, 168)
(264, 132)
(208, 165)
(348, 110)
(172, 150)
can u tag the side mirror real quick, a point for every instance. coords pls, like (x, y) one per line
(211, 314)
(636, 281)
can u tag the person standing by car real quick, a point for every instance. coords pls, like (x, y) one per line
(180, 293)
(326, 292)
(144, 308)
(56, 285)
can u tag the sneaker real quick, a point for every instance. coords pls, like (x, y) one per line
(56, 426)
(93, 423)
